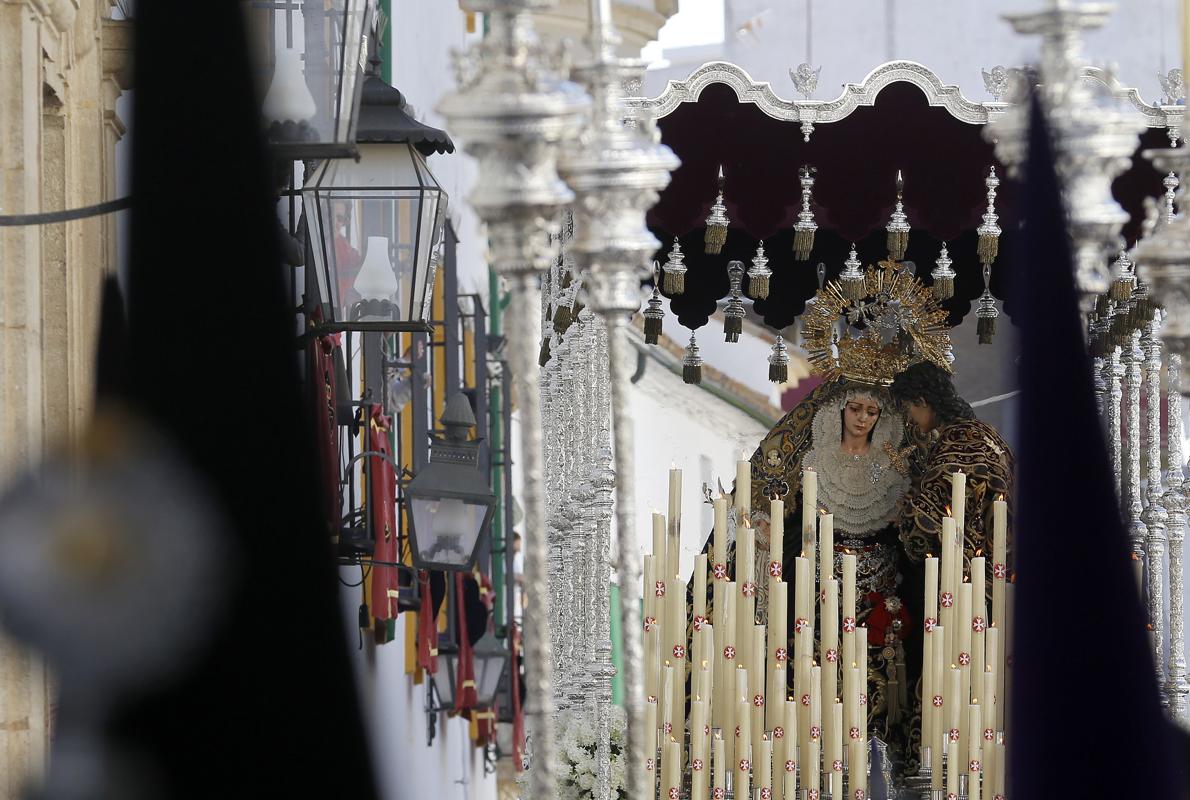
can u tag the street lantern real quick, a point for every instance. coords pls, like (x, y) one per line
(308, 59)
(450, 504)
(490, 656)
(376, 224)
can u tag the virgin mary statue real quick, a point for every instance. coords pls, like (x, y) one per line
(848, 433)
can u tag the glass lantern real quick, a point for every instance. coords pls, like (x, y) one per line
(375, 230)
(308, 59)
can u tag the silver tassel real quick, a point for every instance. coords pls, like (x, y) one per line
(674, 271)
(759, 274)
(717, 222)
(733, 313)
(1123, 278)
(943, 276)
(989, 231)
(852, 278)
(779, 362)
(692, 363)
(804, 228)
(654, 314)
(987, 311)
(898, 225)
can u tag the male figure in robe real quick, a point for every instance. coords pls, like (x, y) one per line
(947, 438)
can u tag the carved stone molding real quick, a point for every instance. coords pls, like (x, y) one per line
(864, 93)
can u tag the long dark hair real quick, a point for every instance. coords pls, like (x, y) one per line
(932, 385)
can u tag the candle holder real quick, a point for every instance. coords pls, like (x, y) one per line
(919, 784)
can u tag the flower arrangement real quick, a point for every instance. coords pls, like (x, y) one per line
(579, 749)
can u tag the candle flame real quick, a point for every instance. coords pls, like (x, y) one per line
(1000, 498)
(948, 511)
(764, 737)
(979, 552)
(929, 555)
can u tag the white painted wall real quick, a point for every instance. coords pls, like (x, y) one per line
(691, 429)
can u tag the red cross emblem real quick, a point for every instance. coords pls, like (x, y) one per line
(848, 624)
(699, 622)
(649, 764)
(837, 765)
(799, 625)
(937, 701)
(1000, 571)
(812, 795)
(775, 569)
(650, 624)
(954, 734)
(696, 765)
(998, 797)
(978, 624)
(790, 765)
(947, 600)
(778, 732)
(782, 655)
(669, 727)
(951, 796)
(805, 699)
(989, 735)
(720, 572)
(720, 793)
(832, 655)
(737, 731)
(745, 765)
(863, 699)
(931, 624)
(815, 733)
(964, 659)
(758, 700)
(822, 595)
(859, 794)
(651, 699)
(659, 589)
(853, 732)
(679, 652)
(748, 589)
(674, 794)
(729, 652)
(706, 729)
(766, 793)
(973, 766)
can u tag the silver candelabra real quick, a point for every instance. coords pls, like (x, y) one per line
(512, 110)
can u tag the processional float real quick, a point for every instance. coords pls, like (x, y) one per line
(590, 288)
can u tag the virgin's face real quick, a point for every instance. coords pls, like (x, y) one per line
(859, 417)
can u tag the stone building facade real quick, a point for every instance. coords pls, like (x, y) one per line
(63, 64)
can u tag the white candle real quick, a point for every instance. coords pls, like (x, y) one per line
(745, 573)
(937, 708)
(743, 485)
(861, 643)
(720, 506)
(849, 612)
(724, 715)
(929, 637)
(791, 748)
(667, 709)
(743, 751)
(809, 516)
(958, 502)
(802, 585)
(826, 546)
(698, 750)
(830, 660)
(833, 734)
(950, 588)
(764, 763)
(660, 588)
(756, 681)
(700, 586)
(650, 765)
(815, 738)
(964, 620)
(776, 532)
(857, 766)
(778, 656)
(992, 701)
(671, 776)
(978, 622)
(974, 739)
(718, 775)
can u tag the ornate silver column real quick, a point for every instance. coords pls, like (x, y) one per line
(1176, 687)
(511, 111)
(1154, 514)
(1094, 142)
(1115, 427)
(1164, 260)
(1132, 359)
(617, 173)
